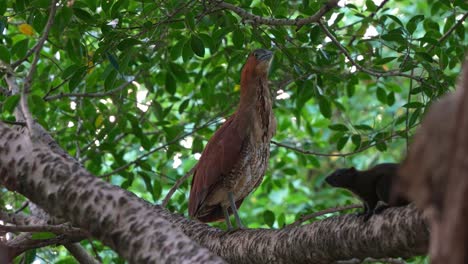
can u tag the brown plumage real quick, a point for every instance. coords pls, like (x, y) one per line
(235, 159)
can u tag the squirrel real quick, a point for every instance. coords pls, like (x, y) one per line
(371, 186)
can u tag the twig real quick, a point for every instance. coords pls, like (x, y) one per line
(447, 34)
(23, 242)
(176, 186)
(308, 152)
(92, 95)
(23, 206)
(14, 123)
(254, 19)
(326, 211)
(28, 80)
(407, 112)
(358, 66)
(350, 43)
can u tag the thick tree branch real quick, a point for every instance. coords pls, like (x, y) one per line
(396, 232)
(254, 19)
(58, 184)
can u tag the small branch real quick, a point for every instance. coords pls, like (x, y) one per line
(447, 34)
(176, 186)
(80, 254)
(407, 112)
(15, 123)
(308, 152)
(358, 66)
(23, 242)
(92, 95)
(298, 22)
(350, 43)
(28, 80)
(304, 218)
(57, 229)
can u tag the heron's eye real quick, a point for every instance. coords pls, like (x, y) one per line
(256, 54)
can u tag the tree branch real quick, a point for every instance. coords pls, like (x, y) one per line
(396, 232)
(176, 186)
(378, 74)
(32, 70)
(62, 187)
(92, 95)
(298, 22)
(308, 152)
(57, 229)
(449, 32)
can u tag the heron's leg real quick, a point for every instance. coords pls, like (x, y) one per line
(226, 217)
(234, 210)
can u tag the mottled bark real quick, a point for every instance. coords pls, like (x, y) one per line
(396, 232)
(57, 183)
(435, 174)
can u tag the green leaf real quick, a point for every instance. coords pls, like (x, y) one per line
(413, 23)
(382, 61)
(413, 105)
(128, 43)
(341, 142)
(190, 21)
(356, 139)
(394, 35)
(390, 98)
(394, 18)
(183, 106)
(20, 48)
(187, 52)
(371, 5)
(113, 61)
(4, 54)
(363, 127)
(238, 38)
(3, 8)
(325, 107)
(76, 78)
(197, 46)
(381, 146)
(10, 103)
(179, 72)
(170, 83)
(43, 235)
(29, 256)
(414, 117)
(381, 95)
(269, 218)
(83, 15)
(338, 127)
